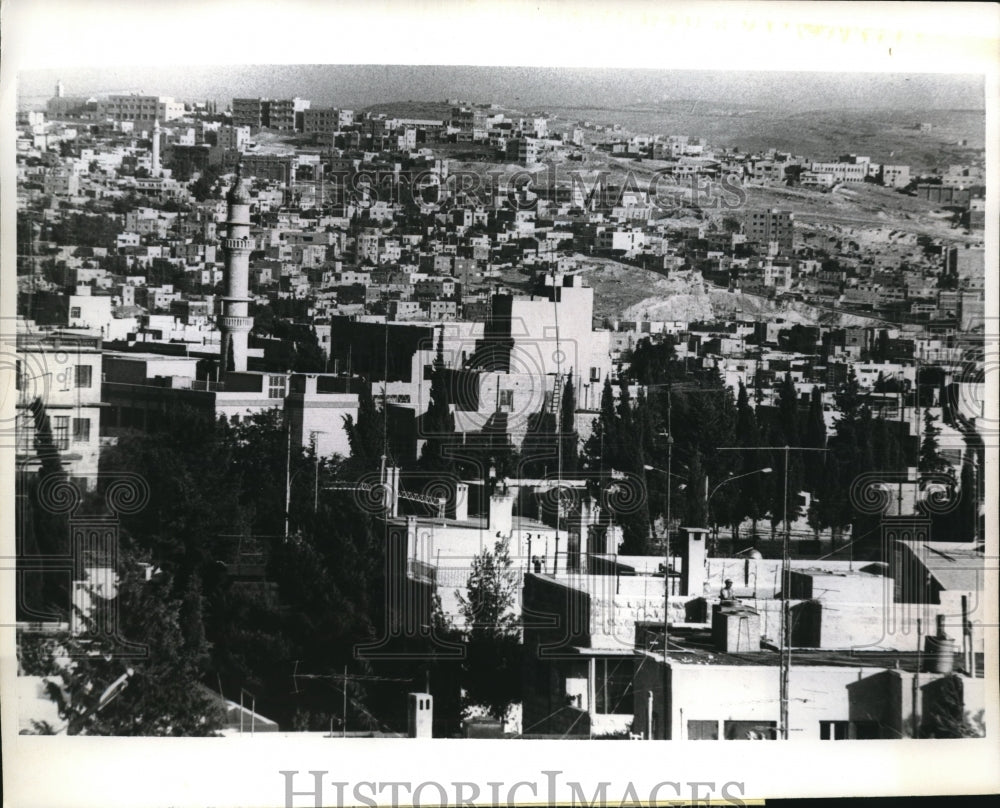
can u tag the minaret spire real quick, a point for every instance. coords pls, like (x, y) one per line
(236, 321)
(155, 155)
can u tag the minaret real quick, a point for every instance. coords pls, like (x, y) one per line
(236, 321)
(59, 89)
(155, 158)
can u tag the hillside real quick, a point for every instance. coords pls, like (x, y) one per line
(626, 292)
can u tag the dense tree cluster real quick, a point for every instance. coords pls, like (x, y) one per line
(216, 508)
(691, 411)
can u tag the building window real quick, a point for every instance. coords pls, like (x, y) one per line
(81, 430)
(848, 730)
(276, 386)
(60, 432)
(703, 730)
(595, 374)
(84, 375)
(26, 434)
(506, 400)
(614, 686)
(74, 312)
(751, 730)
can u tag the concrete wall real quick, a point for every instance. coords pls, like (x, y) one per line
(856, 587)
(751, 693)
(763, 576)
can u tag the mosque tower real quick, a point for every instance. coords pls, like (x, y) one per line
(155, 157)
(236, 321)
(59, 89)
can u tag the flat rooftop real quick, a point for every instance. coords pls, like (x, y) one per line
(694, 646)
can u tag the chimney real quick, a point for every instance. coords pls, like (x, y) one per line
(420, 715)
(693, 552)
(501, 514)
(391, 481)
(461, 501)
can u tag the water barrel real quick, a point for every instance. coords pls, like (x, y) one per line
(939, 654)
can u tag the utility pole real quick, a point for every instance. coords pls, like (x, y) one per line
(288, 468)
(786, 623)
(785, 656)
(557, 394)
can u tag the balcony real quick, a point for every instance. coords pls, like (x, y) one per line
(208, 386)
(421, 571)
(236, 323)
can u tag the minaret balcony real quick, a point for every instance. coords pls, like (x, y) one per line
(231, 323)
(243, 244)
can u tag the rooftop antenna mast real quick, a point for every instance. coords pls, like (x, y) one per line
(557, 400)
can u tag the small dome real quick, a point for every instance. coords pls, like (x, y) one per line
(239, 193)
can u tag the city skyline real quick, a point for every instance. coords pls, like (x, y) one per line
(368, 85)
(373, 407)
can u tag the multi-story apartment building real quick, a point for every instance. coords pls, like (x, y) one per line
(849, 168)
(248, 112)
(273, 167)
(234, 138)
(895, 176)
(257, 113)
(286, 113)
(139, 108)
(325, 120)
(470, 122)
(771, 226)
(523, 150)
(59, 381)
(135, 395)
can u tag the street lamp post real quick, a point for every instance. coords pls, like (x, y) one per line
(666, 551)
(729, 479)
(314, 436)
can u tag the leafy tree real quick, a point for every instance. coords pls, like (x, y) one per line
(298, 350)
(492, 664)
(162, 693)
(187, 460)
(655, 363)
(206, 186)
(946, 717)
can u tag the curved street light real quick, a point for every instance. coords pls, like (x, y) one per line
(708, 499)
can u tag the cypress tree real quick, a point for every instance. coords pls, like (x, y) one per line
(968, 510)
(366, 435)
(438, 422)
(600, 447)
(567, 427)
(695, 493)
(750, 489)
(814, 436)
(931, 461)
(786, 433)
(538, 452)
